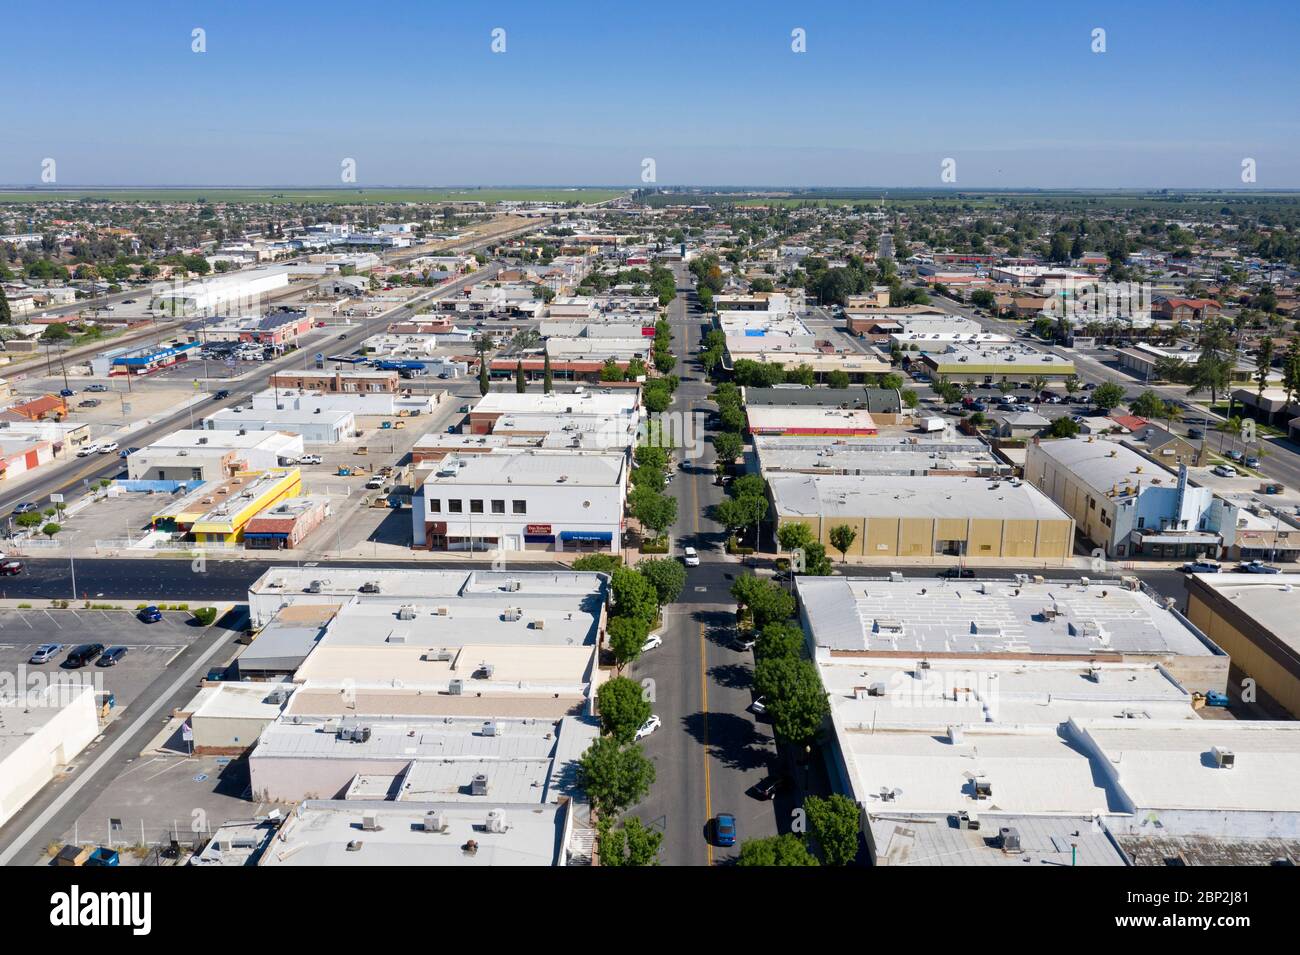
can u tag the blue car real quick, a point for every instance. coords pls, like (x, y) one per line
(724, 829)
(151, 614)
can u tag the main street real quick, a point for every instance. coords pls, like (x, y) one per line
(710, 749)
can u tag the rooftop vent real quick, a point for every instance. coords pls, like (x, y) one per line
(406, 612)
(435, 821)
(1223, 758)
(478, 786)
(489, 728)
(1009, 839)
(370, 821)
(456, 687)
(496, 821)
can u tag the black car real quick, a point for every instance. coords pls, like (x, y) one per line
(1195, 433)
(223, 393)
(769, 786)
(80, 656)
(958, 573)
(111, 656)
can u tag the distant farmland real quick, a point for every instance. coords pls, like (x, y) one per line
(555, 194)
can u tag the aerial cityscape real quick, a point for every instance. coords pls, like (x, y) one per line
(464, 464)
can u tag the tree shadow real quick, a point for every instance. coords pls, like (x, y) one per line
(732, 739)
(734, 676)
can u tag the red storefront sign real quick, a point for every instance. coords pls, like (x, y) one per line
(537, 529)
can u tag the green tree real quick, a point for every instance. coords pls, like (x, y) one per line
(1147, 405)
(484, 383)
(655, 511)
(614, 777)
(30, 519)
(793, 536)
(1064, 427)
(667, 576)
(727, 445)
(6, 315)
(521, 383)
(56, 332)
(783, 850)
(834, 824)
(1108, 395)
(636, 844)
(598, 563)
(765, 600)
(842, 537)
(837, 379)
(779, 640)
(626, 636)
(1263, 363)
(548, 381)
(623, 708)
(611, 371)
(50, 529)
(815, 561)
(796, 699)
(634, 595)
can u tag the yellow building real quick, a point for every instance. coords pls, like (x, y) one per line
(1253, 618)
(217, 512)
(895, 516)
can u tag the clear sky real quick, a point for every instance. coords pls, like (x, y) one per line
(710, 89)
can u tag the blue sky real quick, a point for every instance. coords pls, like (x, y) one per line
(710, 90)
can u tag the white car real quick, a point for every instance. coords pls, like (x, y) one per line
(759, 706)
(652, 644)
(108, 448)
(648, 727)
(87, 449)
(310, 459)
(1224, 470)
(690, 557)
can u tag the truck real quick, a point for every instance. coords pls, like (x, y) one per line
(931, 425)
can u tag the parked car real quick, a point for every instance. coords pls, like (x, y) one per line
(310, 459)
(1234, 456)
(11, 568)
(375, 483)
(958, 573)
(97, 388)
(1224, 470)
(46, 652)
(690, 557)
(27, 507)
(89, 403)
(724, 829)
(87, 449)
(1251, 462)
(744, 642)
(769, 786)
(1257, 567)
(66, 392)
(759, 706)
(150, 614)
(80, 656)
(652, 643)
(108, 448)
(127, 452)
(1200, 567)
(648, 727)
(111, 656)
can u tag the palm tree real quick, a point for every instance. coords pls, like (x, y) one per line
(1173, 411)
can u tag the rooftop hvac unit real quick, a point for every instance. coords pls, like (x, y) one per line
(895, 577)
(370, 821)
(370, 587)
(968, 820)
(406, 612)
(539, 624)
(1009, 839)
(1223, 758)
(456, 687)
(484, 671)
(496, 821)
(478, 786)
(511, 614)
(1094, 674)
(983, 788)
(511, 585)
(316, 586)
(489, 728)
(361, 734)
(877, 689)
(442, 611)
(955, 735)
(435, 821)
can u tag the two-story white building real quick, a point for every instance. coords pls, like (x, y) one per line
(521, 500)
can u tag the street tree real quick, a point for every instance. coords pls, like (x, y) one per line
(614, 777)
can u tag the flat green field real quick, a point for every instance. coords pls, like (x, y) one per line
(322, 196)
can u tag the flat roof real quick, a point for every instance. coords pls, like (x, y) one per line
(22, 716)
(931, 496)
(616, 402)
(821, 420)
(935, 839)
(973, 617)
(1102, 464)
(1271, 601)
(885, 453)
(231, 700)
(202, 438)
(529, 468)
(330, 833)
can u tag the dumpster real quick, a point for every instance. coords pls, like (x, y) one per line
(103, 856)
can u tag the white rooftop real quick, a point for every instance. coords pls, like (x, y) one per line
(932, 496)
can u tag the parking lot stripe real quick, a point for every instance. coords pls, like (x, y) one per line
(52, 620)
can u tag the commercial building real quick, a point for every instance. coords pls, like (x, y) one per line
(226, 718)
(530, 500)
(894, 516)
(141, 360)
(377, 404)
(809, 420)
(280, 327)
(315, 426)
(614, 410)
(217, 514)
(909, 454)
(41, 731)
(1254, 619)
(1127, 505)
(240, 292)
(286, 525)
(995, 363)
(199, 455)
(343, 382)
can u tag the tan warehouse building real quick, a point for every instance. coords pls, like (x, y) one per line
(895, 516)
(1254, 620)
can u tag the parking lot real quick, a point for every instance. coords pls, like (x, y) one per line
(151, 648)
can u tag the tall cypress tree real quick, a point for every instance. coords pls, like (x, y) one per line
(520, 385)
(548, 384)
(6, 316)
(483, 375)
